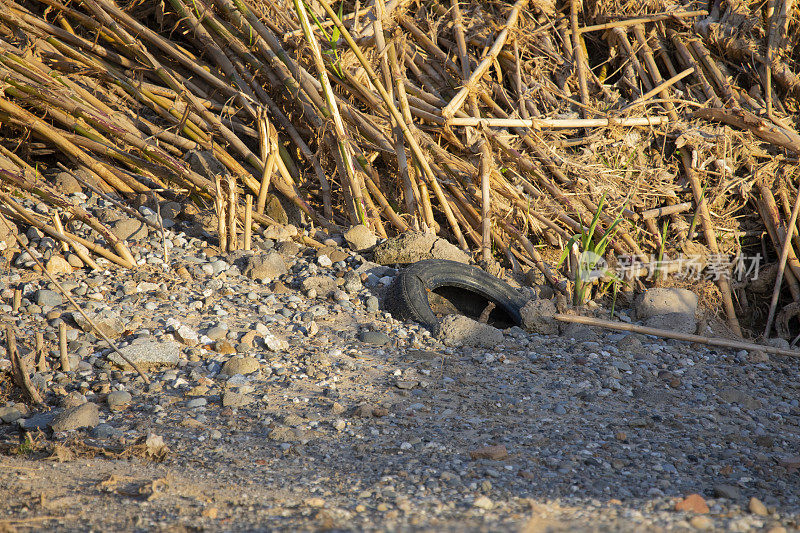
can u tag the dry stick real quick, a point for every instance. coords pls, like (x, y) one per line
(658, 88)
(487, 163)
(219, 207)
(412, 142)
(711, 239)
(458, 100)
(79, 250)
(62, 347)
(41, 360)
(667, 334)
(782, 265)
(74, 303)
(622, 39)
(19, 369)
(342, 139)
(761, 128)
(16, 300)
(578, 58)
(666, 210)
(556, 123)
(655, 75)
(248, 221)
(231, 212)
(642, 20)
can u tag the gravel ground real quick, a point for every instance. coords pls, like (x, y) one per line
(287, 400)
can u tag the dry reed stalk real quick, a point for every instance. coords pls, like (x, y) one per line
(487, 163)
(248, 222)
(41, 360)
(219, 208)
(62, 347)
(782, 265)
(666, 210)
(578, 58)
(458, 100)
(761, 128)
(667, 334)
(643, 20)
(556, 123)
(711, 239)
(19, 369)
(230, 211)
(79, 250)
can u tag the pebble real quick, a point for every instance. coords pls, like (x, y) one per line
(82, 416)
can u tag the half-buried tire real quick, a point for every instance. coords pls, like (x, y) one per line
(468, 288)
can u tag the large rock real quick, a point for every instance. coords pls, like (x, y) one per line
(322, 285)
(360, 238)
(459, 330)
(240, 365)
(82, 416)
(412, 247)
(109, 324)
(148, 354)
(47, 297)
(661, 301)
(266, 266)
(130, 229)
(677, 322)
(537, 317)
(58, 265)
(66, 183)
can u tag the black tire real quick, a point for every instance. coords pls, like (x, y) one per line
(407, 296)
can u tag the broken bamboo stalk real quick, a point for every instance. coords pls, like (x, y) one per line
(787, 244)
(667, 334)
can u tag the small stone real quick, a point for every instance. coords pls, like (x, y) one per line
(47, 297)
(337, 408)
(315, 502)
(224, 347)
(339, 424)
(187, 335)
(10, 414)
(324, 261)
(194, 403)
(118, 400)
(58, 265)
(374, 337)
(693, 503)
(83, 416)
(372, 304)
(236, 399)
(148, 354)
(495, 453)
(701, 522)
(757, 507)
(266, 266)
(757, 356)
(240, 365)
(360, 238)
(482, 502)
(110, 325)
(129, 229)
